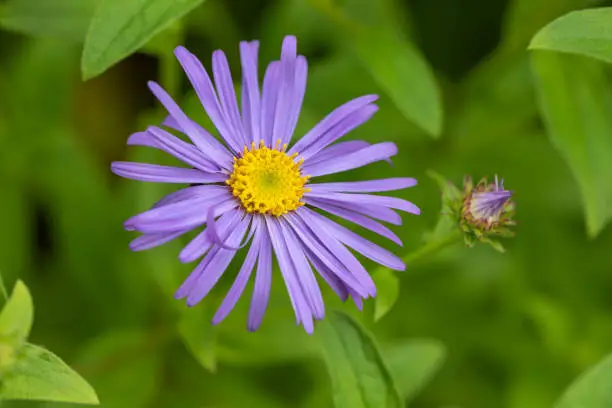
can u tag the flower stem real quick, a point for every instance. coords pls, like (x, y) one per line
(432, 247)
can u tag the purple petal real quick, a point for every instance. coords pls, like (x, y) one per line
(251, 100)
(362, 221)
(219, 262)
(330, 277)
(373, 211)
(301, 76)
(269, 97)
(201, 243)
(286, 89)
(212, 233)
(333, 260)
(384, 201)
(148, 241)
(337, 116)
(185, 152)
(263, 281)
(220, 157)
(206, 93)
(369, 186)
(242, 279)
(342, 128)
(164, 174)
(182, 215)
(359, 244)
(304, 273)
(358, 301)
(365, 285)
(229, 106)
(143, 139)
(374, 153)
(337, 149)
(187, 193)
(296, 295)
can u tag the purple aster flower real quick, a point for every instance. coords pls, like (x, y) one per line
(253, 190)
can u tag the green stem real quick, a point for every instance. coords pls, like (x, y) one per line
(432, 247)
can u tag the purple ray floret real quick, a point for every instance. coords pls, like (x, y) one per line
(254, 191)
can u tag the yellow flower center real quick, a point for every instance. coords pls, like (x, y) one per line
(267, 181)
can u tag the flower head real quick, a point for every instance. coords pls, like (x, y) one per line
(254, 188)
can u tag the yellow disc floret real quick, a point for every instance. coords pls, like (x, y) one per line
(267, 180)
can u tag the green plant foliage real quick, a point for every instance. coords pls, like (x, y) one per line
(121, 27)
(591, 389)
(585, 32)
(359, 375)
(413, 364)
(387, 291)
(65, 19)
(575, 98)
(17, 316)
(394, 63)
(30, 372)
(38, 374)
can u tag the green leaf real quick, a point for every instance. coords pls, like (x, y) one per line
(413, 364)
(198, 335)
(591, 390)
(17, 316)
(576, 102)
(360, 377)
(393, 61)
(387, 292)
(120, 27)
(39, 374)
(124, 366)
(65, 19)
(525, 17)
(585, 32)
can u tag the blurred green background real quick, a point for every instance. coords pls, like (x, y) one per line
(517, 327)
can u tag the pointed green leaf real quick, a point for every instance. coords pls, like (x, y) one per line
(65, 19)
(39, 374)
(387, 292)
(404, 74)
(120, 27)
(371, 31)
(359, 375)
(585, 32)
(17, 315)
(591, 390)
(413, 364)
(575, 98)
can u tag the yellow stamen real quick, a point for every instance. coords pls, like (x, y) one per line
(268, 181)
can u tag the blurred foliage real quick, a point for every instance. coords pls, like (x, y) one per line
(517, 328)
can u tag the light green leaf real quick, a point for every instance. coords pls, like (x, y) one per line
(585, 32)
(393, 61)
(591, 390)
(525, 17)
(17, 315)
(360, 377)
(39, 374)
(576, 101)
(198, 335)
(124, 367)
(66, 19)
(121, 27)
(413, 364)
(387, 292)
